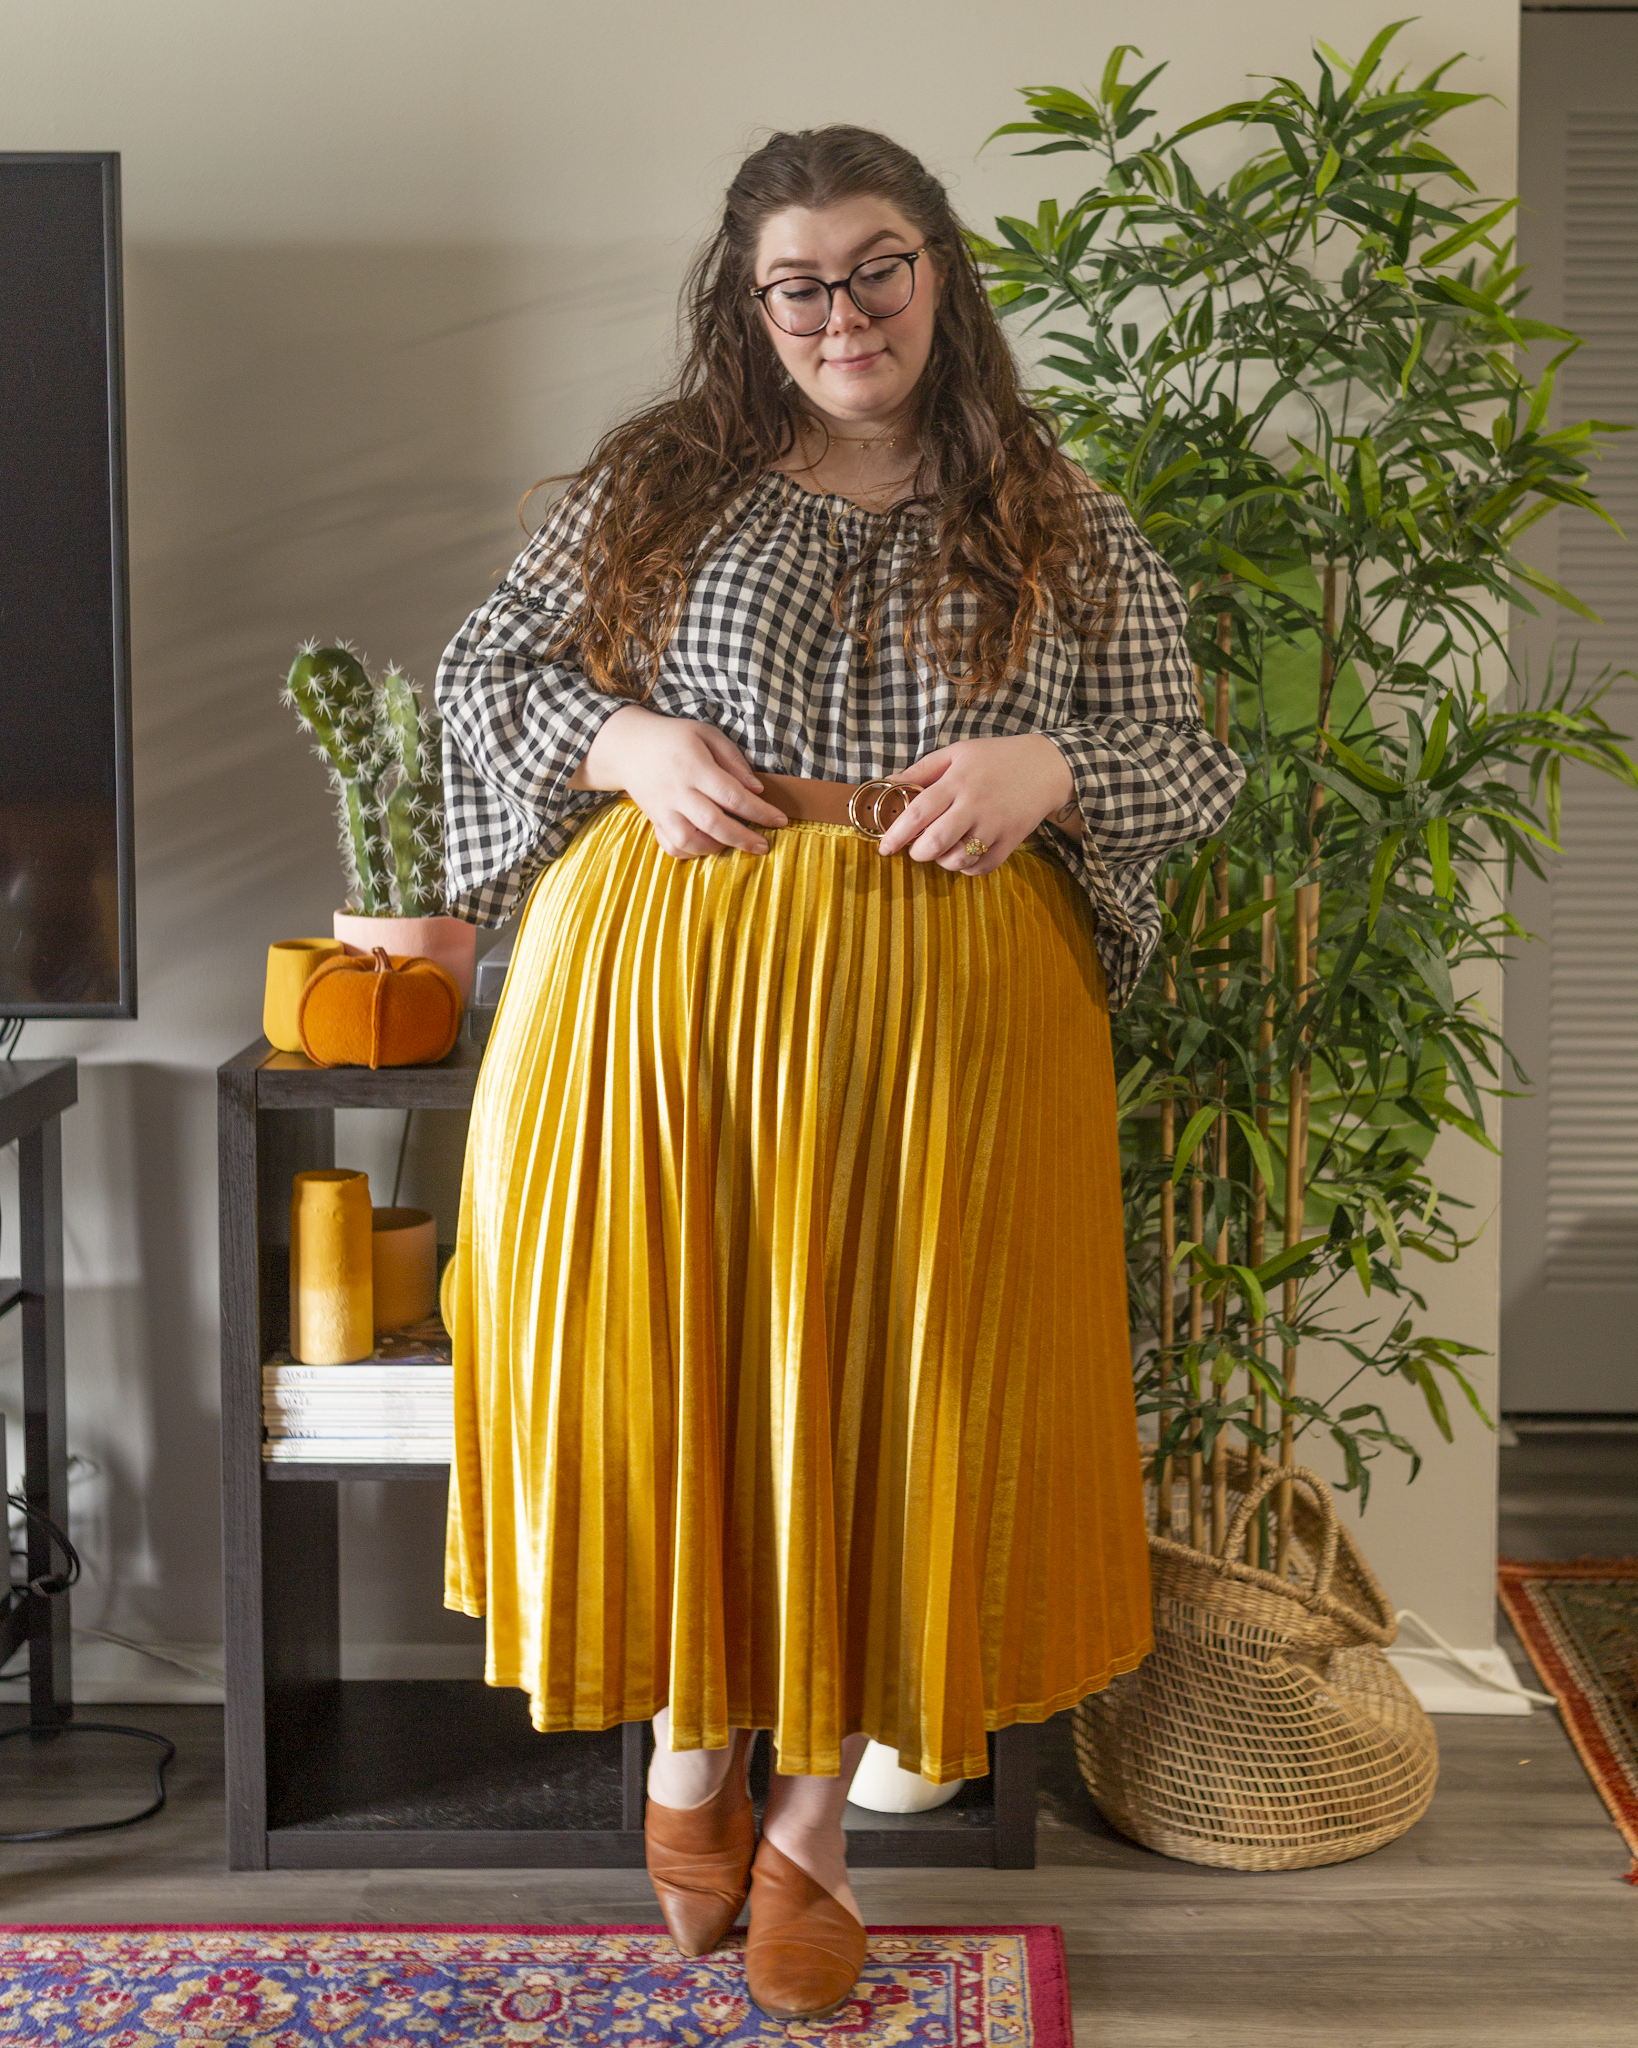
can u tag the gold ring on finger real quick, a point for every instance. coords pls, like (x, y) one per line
(977, 848)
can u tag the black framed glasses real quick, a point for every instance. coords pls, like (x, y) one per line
(879, 287)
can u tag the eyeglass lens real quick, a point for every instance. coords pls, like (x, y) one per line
(879, 287)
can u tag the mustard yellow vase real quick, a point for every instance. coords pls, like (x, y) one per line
(332, 1308)
(788, 1302)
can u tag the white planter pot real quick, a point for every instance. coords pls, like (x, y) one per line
(450, 941)
(882, 1787)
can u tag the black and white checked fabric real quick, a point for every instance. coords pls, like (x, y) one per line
(759, 654)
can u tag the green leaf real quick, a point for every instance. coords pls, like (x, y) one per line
(1248, 572)
(1416, 1369)
(1257, 1145)
(1293, 1255)
(1327, 171)
(1556, 591)
(1361, 770)
(1358, 799)
(1434, 752)
(1373, 52)
(1370, 477)
(1381, 868)
(1193, 1131)
(1438, 836)
(1111, 70)
(1431, 966)
(1475, 231)
(1252, 1289)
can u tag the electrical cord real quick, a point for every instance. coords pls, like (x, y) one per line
(96, 1827)
(403, 1147)
(50, 1585)
(11, 1029)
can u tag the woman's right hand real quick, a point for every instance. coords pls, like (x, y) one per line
(690, 781)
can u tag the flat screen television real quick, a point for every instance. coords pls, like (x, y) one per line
(67, 923)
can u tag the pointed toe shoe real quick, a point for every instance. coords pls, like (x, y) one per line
(805, 1951)
(699, 1861)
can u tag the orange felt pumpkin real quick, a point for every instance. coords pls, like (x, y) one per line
(369, 1010)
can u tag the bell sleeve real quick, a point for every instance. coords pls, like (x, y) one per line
(518, 717)
(1148, 775)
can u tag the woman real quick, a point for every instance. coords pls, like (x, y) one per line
(793, 1383)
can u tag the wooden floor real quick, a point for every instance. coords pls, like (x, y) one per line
(1501, 1921)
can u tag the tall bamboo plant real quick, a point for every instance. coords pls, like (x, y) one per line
(1305, 381)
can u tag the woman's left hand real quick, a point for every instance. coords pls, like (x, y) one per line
(994, 790)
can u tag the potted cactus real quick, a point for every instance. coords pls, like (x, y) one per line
(382, 749)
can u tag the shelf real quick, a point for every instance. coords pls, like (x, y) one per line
(351, 1468)
(448, 1773)
(289, 1080)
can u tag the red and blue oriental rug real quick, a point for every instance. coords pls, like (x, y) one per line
(505, 1987)
(1579, 1623)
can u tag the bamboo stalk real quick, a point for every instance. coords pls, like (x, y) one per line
(1219, 1318)
(1304, 951)
(1219, 1449)
(1257, 1231)
(1296, 1164)
(1168, 1310)
(1197, 1305)
(1168, 1289)
(1328, 676)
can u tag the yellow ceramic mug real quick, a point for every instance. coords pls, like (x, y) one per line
(289, 963)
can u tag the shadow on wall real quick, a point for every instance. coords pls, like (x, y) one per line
(334, 442)
(326, 441)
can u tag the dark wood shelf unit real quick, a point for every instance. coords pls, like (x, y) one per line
(327, 1773)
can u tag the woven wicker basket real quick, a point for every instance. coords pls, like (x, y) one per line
(1266, 1731)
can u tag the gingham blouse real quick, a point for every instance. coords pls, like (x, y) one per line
(759, 654)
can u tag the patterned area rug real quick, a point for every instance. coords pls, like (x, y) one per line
(505, 1987)
(1579, 1622)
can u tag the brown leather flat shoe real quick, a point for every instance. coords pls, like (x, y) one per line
(699, 1860)
(805, 1951)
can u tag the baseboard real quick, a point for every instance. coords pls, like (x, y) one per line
(1443, 1687)
(106, 1673)
(412, 1660)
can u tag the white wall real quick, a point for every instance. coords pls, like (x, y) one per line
(388, 262)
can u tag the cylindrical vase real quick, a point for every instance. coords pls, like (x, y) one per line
(332, 1296)
(289, 964)
(404, 1244)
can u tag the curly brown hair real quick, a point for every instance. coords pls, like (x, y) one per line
(1006, 513)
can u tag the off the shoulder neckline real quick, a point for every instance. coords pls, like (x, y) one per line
(789, 488)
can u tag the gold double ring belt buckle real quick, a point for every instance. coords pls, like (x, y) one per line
(865, 807)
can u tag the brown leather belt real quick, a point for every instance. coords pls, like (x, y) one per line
(869, 807)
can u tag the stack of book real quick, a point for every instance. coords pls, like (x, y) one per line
(396, 1407)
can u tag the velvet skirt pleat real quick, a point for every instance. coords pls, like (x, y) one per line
(791, 1362)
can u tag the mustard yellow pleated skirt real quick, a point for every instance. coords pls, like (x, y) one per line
(792, 1384)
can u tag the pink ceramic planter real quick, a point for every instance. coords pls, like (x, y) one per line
(450, 941)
